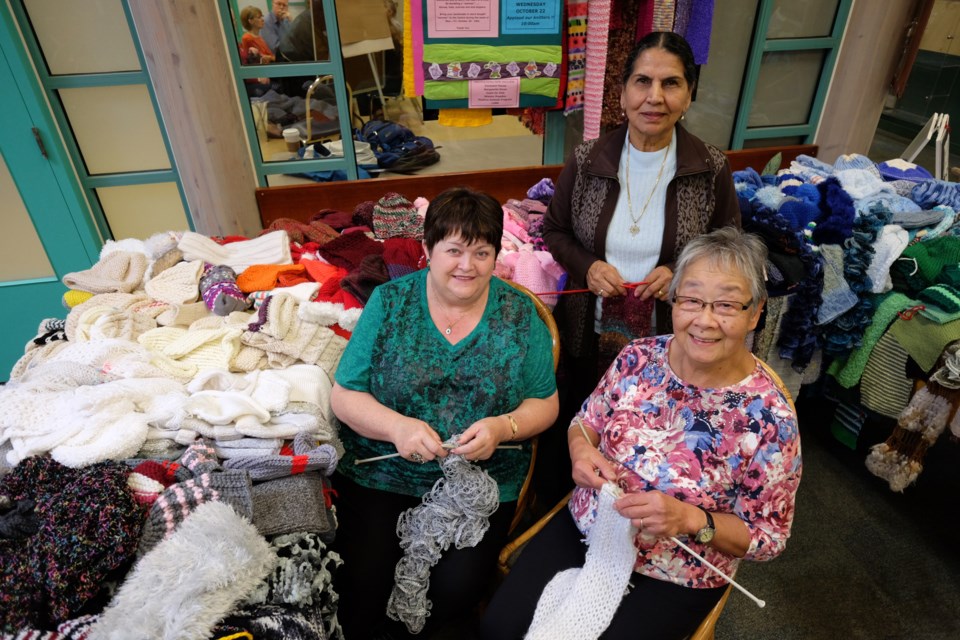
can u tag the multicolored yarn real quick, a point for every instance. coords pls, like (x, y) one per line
(395, 217)
(598, 26)
(218, 286)
(845, 333)
(306, 455)
(89, 527)
(620, 40)
(899, 460)
(624, 318)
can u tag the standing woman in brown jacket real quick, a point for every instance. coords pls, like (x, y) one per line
(625, 205)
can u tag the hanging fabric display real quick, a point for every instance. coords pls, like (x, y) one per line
(481, 54)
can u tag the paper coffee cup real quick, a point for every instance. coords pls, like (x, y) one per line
(292, 138)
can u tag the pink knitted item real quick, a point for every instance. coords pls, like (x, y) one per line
(598, 27)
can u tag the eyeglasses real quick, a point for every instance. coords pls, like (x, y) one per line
(724, 308)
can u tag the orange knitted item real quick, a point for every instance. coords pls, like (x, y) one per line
(264, 277)
(322, 271)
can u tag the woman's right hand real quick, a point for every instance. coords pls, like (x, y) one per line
(590, 469)
(604, 280)
(416, 436)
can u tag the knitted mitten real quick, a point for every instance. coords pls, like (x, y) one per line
(580, 603)
(218, 286)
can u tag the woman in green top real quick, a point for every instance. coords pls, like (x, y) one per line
(448, 351)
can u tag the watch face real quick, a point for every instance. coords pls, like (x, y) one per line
(705, 535)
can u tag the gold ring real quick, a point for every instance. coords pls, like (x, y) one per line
(600, 293)
(660, 293)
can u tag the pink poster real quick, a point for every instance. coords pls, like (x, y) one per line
(494, 94)
(463, 18)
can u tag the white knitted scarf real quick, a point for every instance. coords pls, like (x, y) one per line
(579, 604)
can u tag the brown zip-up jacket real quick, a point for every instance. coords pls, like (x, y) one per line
(700, 197)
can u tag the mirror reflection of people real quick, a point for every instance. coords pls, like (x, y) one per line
(704, 445)
(307, 38)
(253, 47)
(276, 23)
(446, 351)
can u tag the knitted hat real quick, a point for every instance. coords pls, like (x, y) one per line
(371, 273)
(918, 218)
(363, 214)
(300, 232)
(942, 303)
(264, 277)
(337, 220)
(900, 169)
(293, 504)
(887, 201)
(835, 223)
(349, 249)
(306, 456)
(395, 217)
(164, 262)
(73, 297)
(148, 480)
(177, 284)
(116, 271)
(889, 245)
(220, 292)
(860, 183)
(270, 248)
(921, 263)
(933, 192)
(402, 256)
(837, 297)
(854, 161)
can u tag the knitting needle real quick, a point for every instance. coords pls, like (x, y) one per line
(397, 455)
(626, 285)
(760, 603)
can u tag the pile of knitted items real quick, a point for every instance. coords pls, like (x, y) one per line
(845, 333)
(899, 460)
(88, 528)
(209, 483)
(305, 455)
(303, 578)
(191, 580)
(579, 603)
(455, 511)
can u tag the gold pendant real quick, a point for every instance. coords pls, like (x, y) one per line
(634, 229)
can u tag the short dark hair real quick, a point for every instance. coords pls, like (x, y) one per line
(671, 43)
(460, 211)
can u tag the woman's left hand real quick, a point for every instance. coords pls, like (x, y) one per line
(480, 440)
(658, 284)
(655, 512)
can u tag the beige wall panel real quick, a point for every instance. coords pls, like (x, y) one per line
(861, 79)
(91, 36)
(141, 210)
(116, 128)
(183, 45)
(941, 32)
(24, 257)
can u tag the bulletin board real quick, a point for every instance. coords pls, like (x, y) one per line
(488, 53)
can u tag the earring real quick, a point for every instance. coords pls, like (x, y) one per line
(683, 115)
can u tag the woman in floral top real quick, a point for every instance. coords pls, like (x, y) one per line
(448, 351)
(700, 438)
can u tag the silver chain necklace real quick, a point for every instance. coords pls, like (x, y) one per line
(635, 227)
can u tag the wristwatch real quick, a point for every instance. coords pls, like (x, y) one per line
(705, 534)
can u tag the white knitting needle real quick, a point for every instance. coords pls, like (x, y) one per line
(397, 455)
(760, 603)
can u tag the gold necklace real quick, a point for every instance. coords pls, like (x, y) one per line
(446, 313)
(635, 228)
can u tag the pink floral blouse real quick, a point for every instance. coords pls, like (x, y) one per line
(734, 449)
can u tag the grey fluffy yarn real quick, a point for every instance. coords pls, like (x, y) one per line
(455, 511)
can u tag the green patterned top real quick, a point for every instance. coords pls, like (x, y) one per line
(399, 356)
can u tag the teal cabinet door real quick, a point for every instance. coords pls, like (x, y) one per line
(40, 237)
